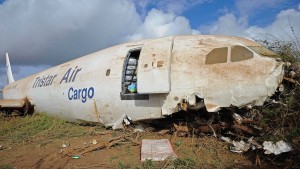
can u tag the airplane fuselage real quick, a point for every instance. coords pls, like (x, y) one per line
(168, 73)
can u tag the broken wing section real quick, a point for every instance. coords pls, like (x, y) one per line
(154, 67)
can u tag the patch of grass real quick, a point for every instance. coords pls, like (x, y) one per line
(99, 127)
(294, 133)
(39, 125)
(281, 120)
(7, 166)
(128, 150)
(149, 164)
(184, 163)
(112, 158)
(121, 165)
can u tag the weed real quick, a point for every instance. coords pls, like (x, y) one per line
(184, 163)
(294, 133)
(99, 127)
(128, 149)
(288, 50)
(121, 165)
(112, 158)
(149, 164)
(169, 163)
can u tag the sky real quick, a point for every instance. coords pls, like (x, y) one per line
(38, 34)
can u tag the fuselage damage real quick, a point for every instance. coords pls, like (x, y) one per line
(153, 78)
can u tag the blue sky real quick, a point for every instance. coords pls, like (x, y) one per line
(211, 11)
(40, 34)
(208, 11)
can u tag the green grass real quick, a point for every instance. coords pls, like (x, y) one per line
(179, 163)
(39, 125)
(8, 166)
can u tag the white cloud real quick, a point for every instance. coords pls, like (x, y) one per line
(35, 32)
(178, 6)
(230, 24)
(227, 24)
(169, 6)
(159, 24)
(281, 27)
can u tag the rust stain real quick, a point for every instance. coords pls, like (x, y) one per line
(160, 63)
(210, 106)
(97, 113)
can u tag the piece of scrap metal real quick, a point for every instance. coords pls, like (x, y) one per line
(156, 150)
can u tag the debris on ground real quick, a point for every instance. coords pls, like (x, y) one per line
(163, 132)
(79, 151)
(75, 157)
(277, 148)
(156, 150)
(94, 141)
(239, 146)
(98, 133)
(65, 144)
(139, 128)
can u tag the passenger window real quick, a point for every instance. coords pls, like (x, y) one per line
(217, 55)
(239, 53)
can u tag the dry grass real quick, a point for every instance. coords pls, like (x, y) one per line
(22, 129)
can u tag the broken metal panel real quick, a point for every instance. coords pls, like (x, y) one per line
(154, 66)
(12, 103)
(276, 148)
(156, 150)
(274, 79)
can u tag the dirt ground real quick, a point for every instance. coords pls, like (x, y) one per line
(41, 141)
(207, 152)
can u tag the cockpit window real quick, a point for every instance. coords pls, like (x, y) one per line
(217, 55)
(262, 51)
(239, 53)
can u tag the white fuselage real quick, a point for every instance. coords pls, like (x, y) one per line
(169, 70)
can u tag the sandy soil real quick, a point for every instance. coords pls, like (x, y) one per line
(43, 153)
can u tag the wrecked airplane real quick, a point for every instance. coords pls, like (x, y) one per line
(151, 79)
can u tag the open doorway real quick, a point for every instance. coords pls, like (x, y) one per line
(129, 77)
